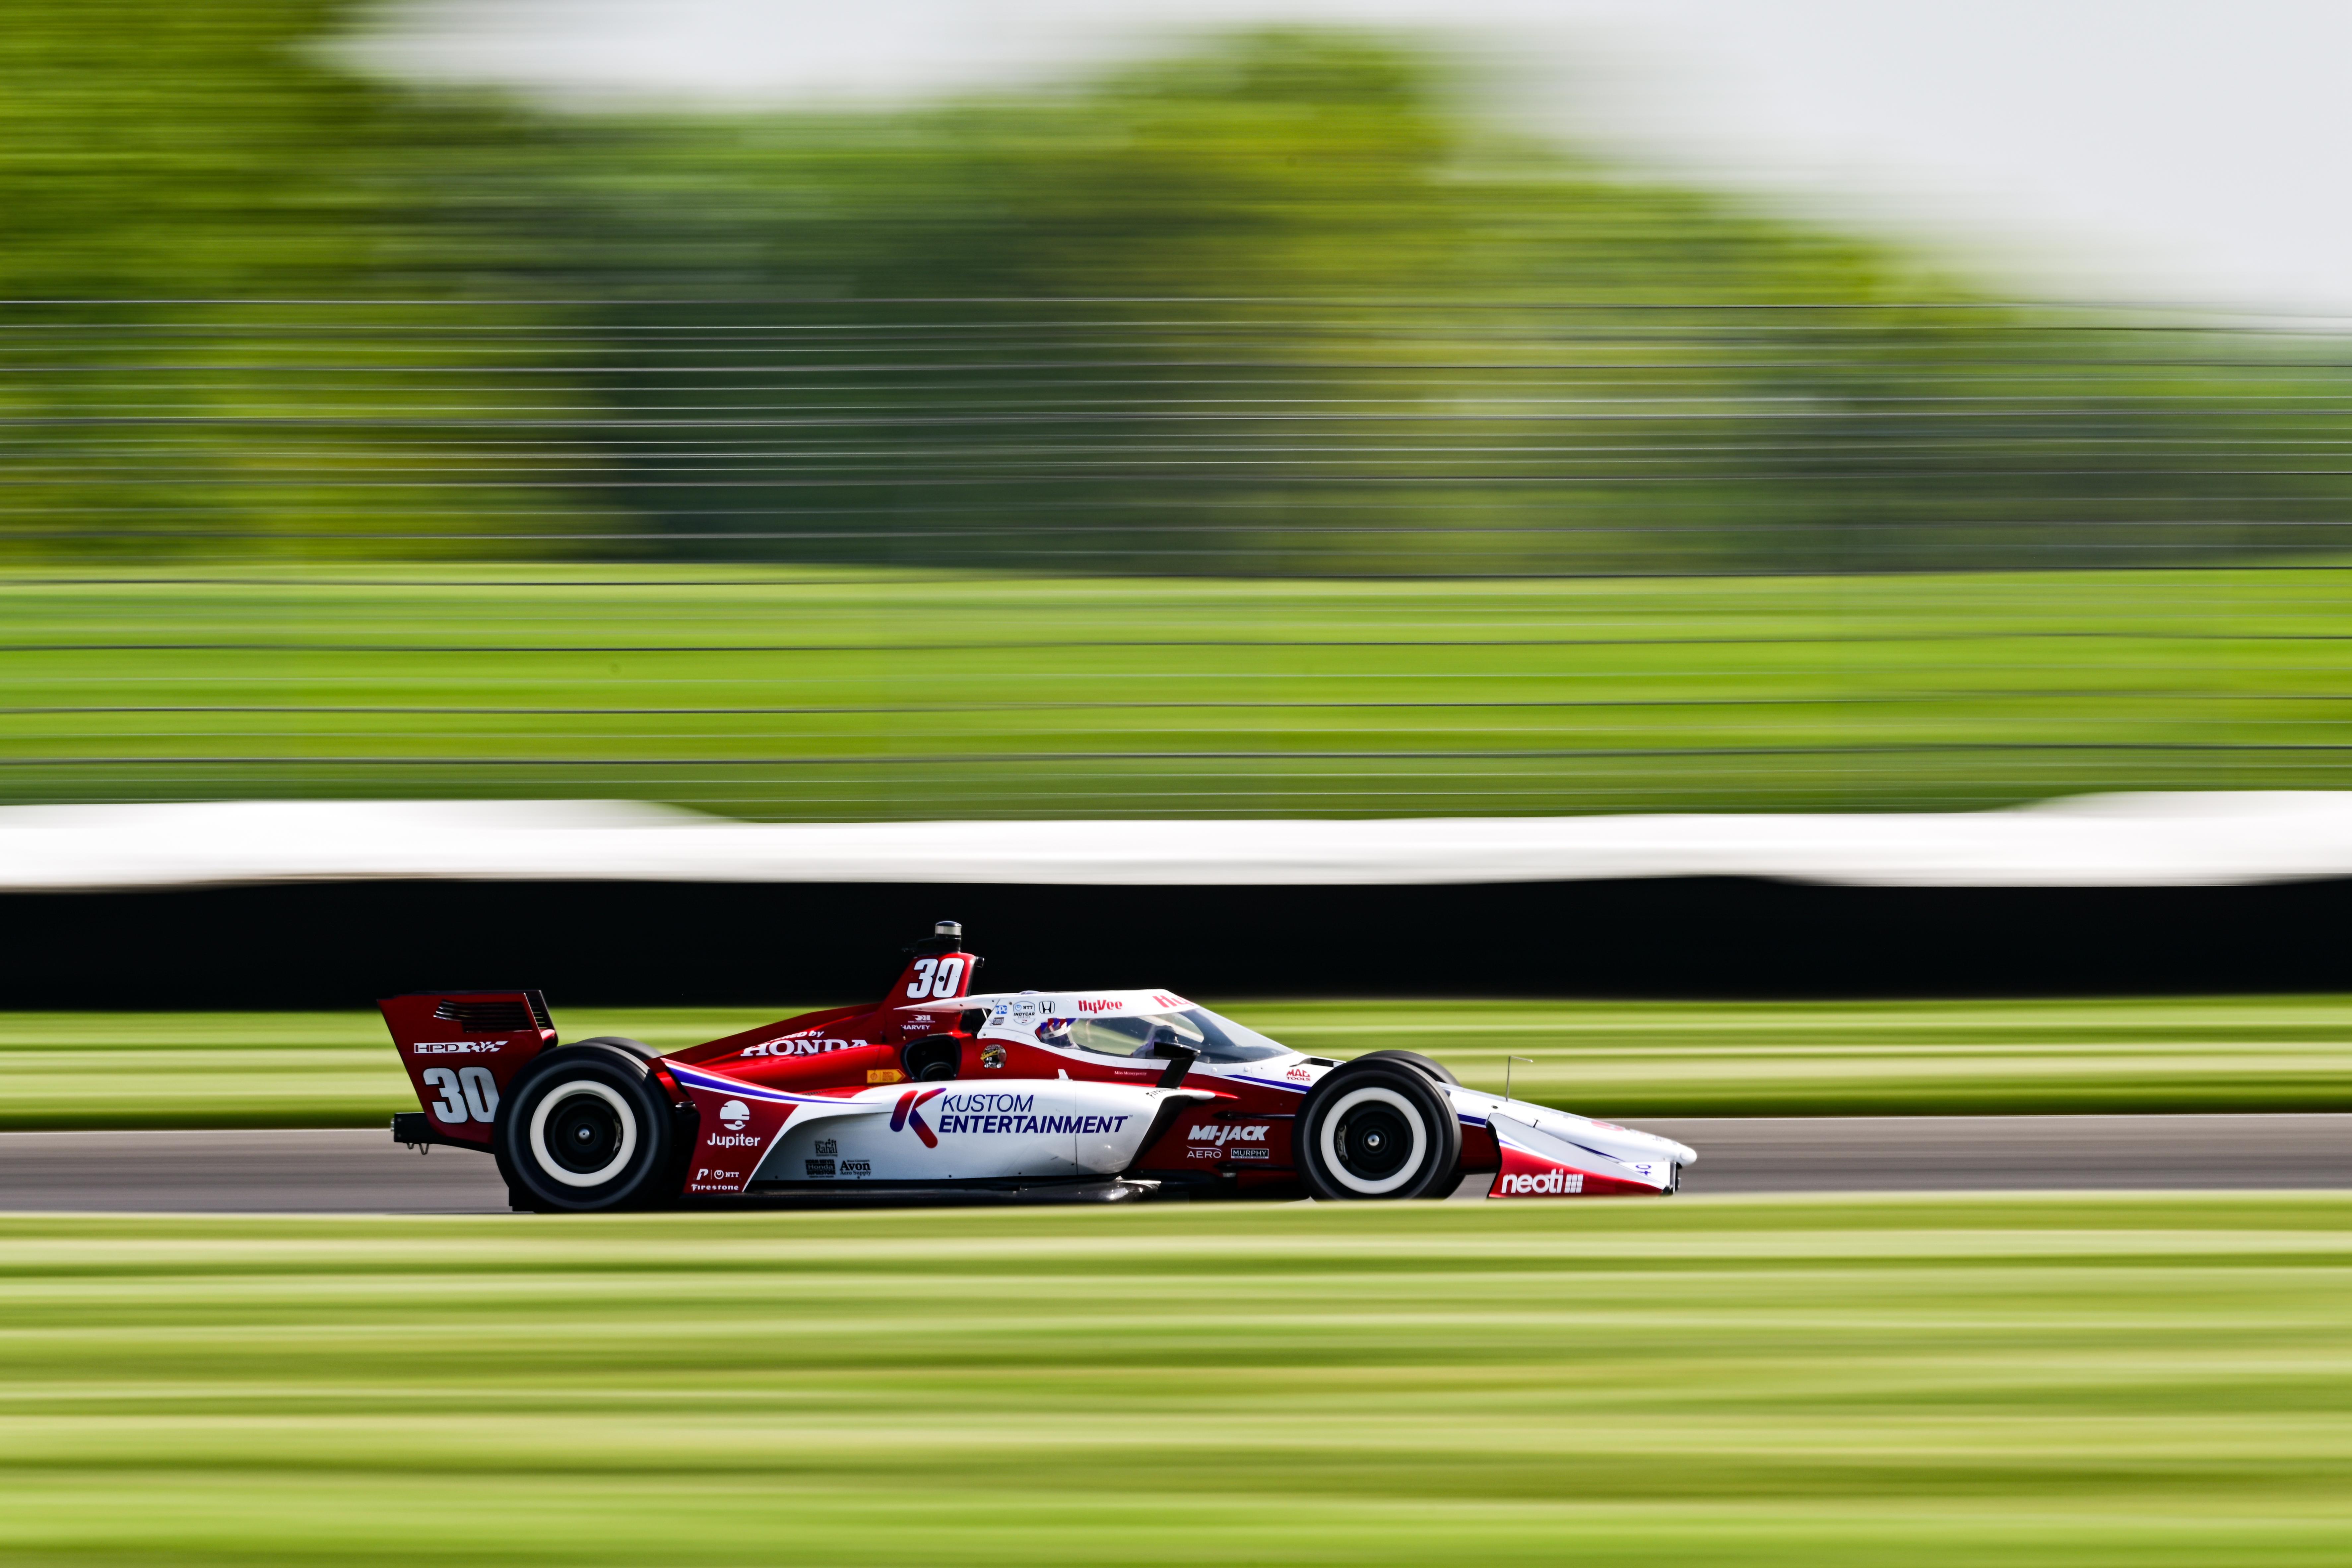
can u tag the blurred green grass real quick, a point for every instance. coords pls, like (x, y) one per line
(1617, 1059)
(840, 693)
(2035, 1381)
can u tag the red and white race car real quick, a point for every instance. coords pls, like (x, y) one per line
(941, 1093)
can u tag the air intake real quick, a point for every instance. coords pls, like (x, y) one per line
(488, 1018)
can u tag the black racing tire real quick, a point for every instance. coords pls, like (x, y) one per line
(1378, 1130)
(1430, 1065)
(583, 1128)
(636, 1047)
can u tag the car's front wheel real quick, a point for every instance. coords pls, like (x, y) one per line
(584, 1127)
(1378, 1130)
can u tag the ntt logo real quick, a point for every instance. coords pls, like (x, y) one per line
(1542, 1184)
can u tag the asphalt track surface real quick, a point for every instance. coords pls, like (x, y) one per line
(356, 1171)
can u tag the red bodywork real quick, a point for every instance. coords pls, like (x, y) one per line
(1244, 1140)
(462, 1048)
(461, 1051)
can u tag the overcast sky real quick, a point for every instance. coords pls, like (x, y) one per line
(2146, 149)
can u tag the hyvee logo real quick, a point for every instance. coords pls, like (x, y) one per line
(1223, 1132)
(1085, 1006)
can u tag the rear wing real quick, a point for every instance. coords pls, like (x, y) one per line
(938, 970)
(462, 1048)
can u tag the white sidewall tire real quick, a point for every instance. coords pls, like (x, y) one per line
(547, 1164)
(1326, 1138)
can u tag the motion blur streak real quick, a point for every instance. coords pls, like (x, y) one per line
(1282, 305)
(758, 457)
(352, 1171)
(2151, 1058)
(1638, 433)
(1270, 429)
(830, 693)
(2037, 1381)
(2197, 840)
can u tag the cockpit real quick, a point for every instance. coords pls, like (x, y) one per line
(1217, 1039)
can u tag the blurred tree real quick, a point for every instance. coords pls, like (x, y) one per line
(234, 306)
(1289, 305)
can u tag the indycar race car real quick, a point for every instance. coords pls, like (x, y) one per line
(938, 1092)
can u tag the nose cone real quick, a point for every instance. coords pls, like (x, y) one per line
(1680, 1153)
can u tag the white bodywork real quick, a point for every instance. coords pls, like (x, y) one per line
(967, 1130)
(1601, 1148)
(989, 1128)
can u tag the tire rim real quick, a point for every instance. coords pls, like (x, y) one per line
(570, 1130)
(1385, 1113)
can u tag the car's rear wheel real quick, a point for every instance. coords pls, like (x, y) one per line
(583, 1128)
(1375, 1130)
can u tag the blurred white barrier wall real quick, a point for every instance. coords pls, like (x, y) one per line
(2116, 840)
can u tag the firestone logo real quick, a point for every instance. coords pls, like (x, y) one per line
(1542, 1184)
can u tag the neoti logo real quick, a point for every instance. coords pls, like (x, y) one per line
(1544, 1183)
(734, 1113)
